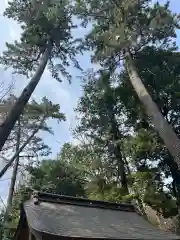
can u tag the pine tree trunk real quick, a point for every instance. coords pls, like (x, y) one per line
(165, 131)
(122, 170)
(13, 179)
(17, 109)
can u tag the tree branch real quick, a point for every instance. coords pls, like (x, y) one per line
(7, 166)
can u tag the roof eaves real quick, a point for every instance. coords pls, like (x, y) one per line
(61, 199)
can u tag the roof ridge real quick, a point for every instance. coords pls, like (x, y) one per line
(63, 199)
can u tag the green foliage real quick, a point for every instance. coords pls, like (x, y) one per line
(143, 145)
(98, 110)
(160, 73)
(107, 192)
(148, 189)
(43, 23)
(20, 195)
(56, 177)
(122, 25)
(162, 202)
(35, 116)
(45, 107)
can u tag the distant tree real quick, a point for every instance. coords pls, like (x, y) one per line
(53, 176)
(57, 177)
(98, 121)
(33, 119)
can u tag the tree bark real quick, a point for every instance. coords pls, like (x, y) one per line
(116, 136)
(17, 109)
(165, 131)
(13, 179)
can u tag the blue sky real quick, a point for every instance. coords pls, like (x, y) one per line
(64, 94)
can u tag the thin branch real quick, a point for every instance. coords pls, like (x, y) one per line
(2, 202)
(2, 172)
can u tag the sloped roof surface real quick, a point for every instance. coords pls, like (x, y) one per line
(74, 220)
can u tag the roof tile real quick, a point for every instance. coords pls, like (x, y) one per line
(64, 219)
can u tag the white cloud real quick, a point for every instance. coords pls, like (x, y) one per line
(54, 88)
(13, 33)
(75, 142)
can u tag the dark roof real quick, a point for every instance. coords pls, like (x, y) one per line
(77, 217)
